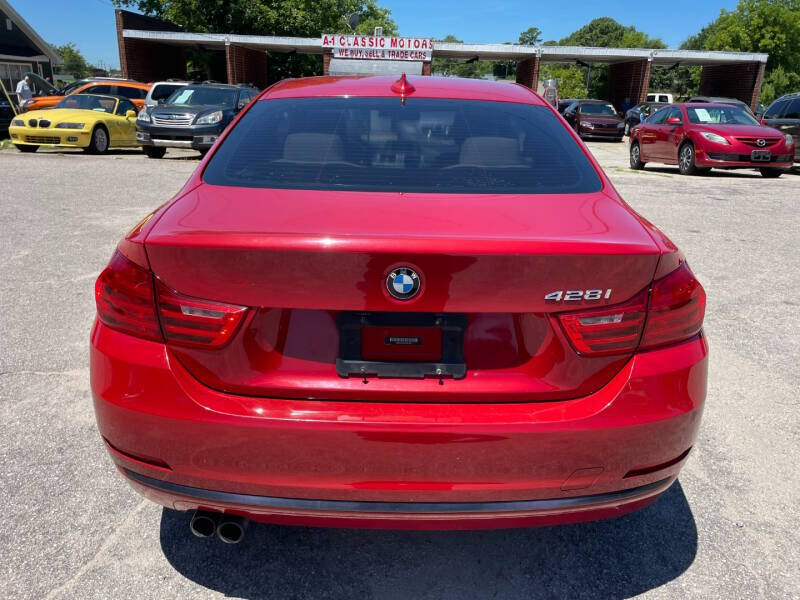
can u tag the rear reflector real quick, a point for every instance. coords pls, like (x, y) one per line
(677, 307)
(674, 313)
(125, 300)
(610, 330)
(188, 321)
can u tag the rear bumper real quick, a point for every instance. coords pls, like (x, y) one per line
(366, 464)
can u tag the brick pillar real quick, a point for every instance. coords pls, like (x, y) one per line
(123, 54)
(528, 72)
(426, 68)
(326, 62)
(628, 80)
(757, 87)
(742, 81)
(144, 60)
(245, 65)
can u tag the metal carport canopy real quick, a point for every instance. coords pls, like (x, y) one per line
(563, 54)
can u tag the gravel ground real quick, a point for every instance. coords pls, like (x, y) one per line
(73, 528)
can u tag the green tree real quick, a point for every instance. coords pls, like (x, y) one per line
(74, 62)
(571, 79)
(301, 18)
(605, 32)
(451, 67)
(769, 26)
(531, 36)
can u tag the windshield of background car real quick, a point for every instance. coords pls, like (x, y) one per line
(598, 109)
(87, 102)
(73, 86)
(203, 96)
(165, 90)
(422, 145)
(719, 115)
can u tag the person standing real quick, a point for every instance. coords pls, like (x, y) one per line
(24, 91)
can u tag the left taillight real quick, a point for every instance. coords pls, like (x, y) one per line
(126, 300)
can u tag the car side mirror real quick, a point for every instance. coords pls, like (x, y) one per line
(762, 121)
(673, 121)
(131, 114)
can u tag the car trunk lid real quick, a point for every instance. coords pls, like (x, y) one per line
(302, 259)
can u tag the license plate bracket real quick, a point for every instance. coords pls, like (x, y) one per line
(351, 363)
(761, 155)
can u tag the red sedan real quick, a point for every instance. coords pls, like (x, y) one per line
(411, 304)
(700, 136)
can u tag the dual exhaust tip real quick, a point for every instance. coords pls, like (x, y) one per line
(229, 528)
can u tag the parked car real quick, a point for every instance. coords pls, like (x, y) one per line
(639, 113)
(698, 137)
(132, 90)
(564, 103)
(721, 100)
(784, 115)
(90, 121)
(6, 114)
(407, 303)
(161, 91)
(596, 119)
(660, 97)
(192, 117)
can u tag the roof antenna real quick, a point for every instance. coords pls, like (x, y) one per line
(403, 87)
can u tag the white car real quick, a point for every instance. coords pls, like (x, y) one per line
(162, 90)
(660, 97)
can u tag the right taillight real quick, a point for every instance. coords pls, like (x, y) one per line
(676, 308)
(671, 312)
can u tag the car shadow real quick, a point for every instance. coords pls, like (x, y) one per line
(718, 173)
(618, 558)
(133, 152)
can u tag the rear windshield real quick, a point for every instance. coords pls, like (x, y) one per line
(383, 144)
(720, 115)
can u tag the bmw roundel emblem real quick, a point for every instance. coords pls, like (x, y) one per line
(403, 283)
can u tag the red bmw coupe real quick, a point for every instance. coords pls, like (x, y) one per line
(414, 303)
(700, 136)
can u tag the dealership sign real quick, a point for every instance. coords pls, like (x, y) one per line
(370, 47)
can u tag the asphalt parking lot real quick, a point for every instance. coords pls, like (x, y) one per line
(72, 528)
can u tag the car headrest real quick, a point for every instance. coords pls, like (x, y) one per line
(490, 152)
(313, 147)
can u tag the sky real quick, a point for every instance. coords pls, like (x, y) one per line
(90, 23)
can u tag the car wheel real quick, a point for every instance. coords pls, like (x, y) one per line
(26, 148)
(99, 141)
(636, 157)
(771, 173)
(686, 160)
(154, 151)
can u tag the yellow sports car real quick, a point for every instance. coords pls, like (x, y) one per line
(88, 121)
